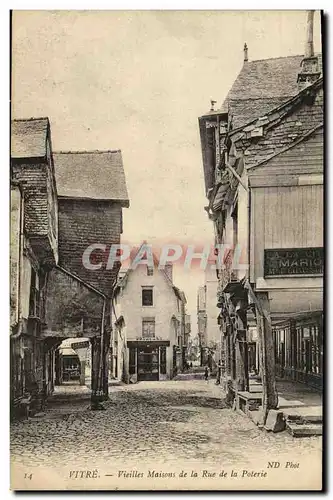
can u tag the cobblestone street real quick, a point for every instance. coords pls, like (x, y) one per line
(159, 422)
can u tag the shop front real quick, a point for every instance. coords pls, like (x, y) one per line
(299, 349)
(148, 359)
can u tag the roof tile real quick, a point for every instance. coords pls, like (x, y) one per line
(91, 174)
(28, 138)
(261, 86)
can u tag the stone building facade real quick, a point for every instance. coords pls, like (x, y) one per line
(150, 336)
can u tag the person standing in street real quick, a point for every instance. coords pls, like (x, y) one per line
(206, 373)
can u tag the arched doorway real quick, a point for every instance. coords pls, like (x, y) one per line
(73, 362)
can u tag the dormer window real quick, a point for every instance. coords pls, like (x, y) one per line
(257, 132)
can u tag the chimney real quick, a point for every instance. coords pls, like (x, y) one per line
(309, 52)
(309, 71)
(246, 53)
(168, 271)
(212, 104)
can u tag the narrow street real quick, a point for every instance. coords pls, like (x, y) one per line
(166, 244)
(156, 423)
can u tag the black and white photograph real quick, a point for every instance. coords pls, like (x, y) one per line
(166, 250)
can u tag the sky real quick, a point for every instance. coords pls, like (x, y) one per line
(138, 81)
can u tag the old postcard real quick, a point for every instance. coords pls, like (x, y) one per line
(166, 299)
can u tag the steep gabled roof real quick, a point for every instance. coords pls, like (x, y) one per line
(29, 138)
(124, 274)
(283, 126)
(97, 175)
(308, 150)
(261, 86)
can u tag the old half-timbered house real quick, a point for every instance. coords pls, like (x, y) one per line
(263, 165)
(56, 294)
(90, 222)
(34, 251)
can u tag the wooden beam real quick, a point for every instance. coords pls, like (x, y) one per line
(95, 370)
(234, 173)
(267, 358)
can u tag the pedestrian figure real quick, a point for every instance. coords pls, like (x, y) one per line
(206, 373)
(218, 377)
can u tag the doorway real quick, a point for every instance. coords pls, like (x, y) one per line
(148, 363)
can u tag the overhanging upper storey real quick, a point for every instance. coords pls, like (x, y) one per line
(212, 126)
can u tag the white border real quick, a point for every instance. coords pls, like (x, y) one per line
(4, 184)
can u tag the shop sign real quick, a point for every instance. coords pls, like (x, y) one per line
(80, 345)
(294, 261)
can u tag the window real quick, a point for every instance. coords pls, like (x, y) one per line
(150, 271)
(34, 295)
(148, 328)
(147, 296)
(316, 350)
(309, 347)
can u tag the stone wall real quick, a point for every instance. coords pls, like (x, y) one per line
(70, 308)
(81, 224)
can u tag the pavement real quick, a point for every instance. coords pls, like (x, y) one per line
(182, 422)
(295, 391)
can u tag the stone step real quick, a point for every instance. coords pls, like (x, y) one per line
(115, 383)
(304, 430)
(289, 403)
(307, 414)
(255, 388)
